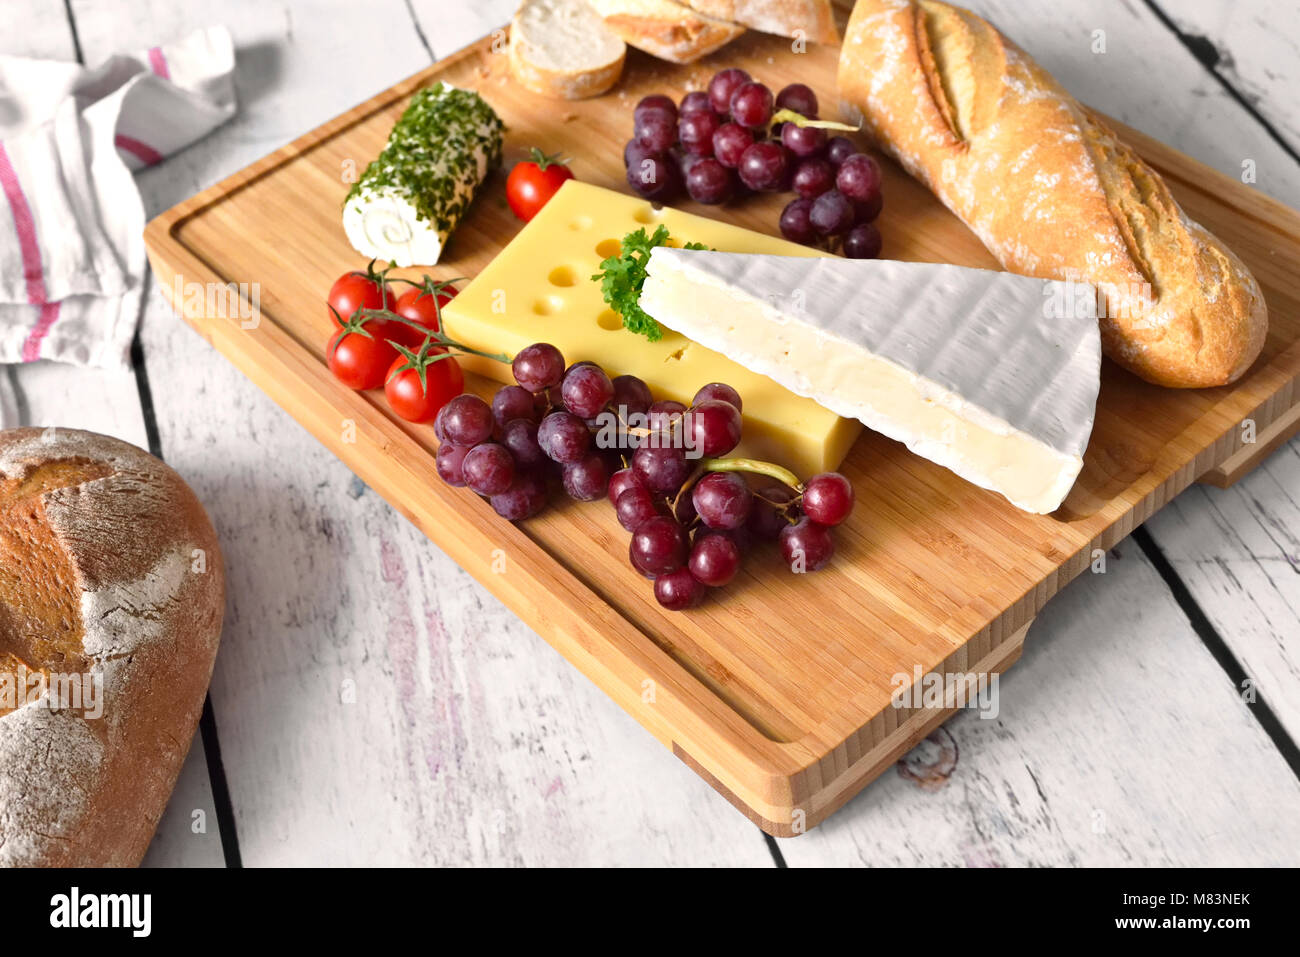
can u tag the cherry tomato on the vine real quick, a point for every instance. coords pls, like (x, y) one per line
(358, 360)
(534, 181)
(422, 304)
(359, 290)
(418, 401)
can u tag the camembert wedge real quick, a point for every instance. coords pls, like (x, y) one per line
(992, 375)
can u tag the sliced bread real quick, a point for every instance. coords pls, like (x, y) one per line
(562, 48)
(670, 31)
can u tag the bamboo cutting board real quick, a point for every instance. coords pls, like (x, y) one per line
(778, 690)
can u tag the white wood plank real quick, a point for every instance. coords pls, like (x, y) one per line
(450, 26)
(50, 393)
(47, 393)
(44, 30)
(1147, 79)
(1119, 742)
(469, 739)
(1237, 549)
(1257, 45)
(188, 834)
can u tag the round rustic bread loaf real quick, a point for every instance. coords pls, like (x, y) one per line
(110, 578)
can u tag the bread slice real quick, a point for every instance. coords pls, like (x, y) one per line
(808, 19)
(562, 48)
(670, 31)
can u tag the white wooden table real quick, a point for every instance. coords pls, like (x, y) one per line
(1125, 735)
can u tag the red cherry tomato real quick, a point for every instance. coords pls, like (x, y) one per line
(416, 402)
(359, 290)
(421, 304)
(532, 182)
(359, 361)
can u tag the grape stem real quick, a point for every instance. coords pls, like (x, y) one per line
(673, 425)
(756, 466)
(798, 119)
(687, 486)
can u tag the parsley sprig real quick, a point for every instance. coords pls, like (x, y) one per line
(622, 276)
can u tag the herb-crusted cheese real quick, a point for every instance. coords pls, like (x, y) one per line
(409, 200)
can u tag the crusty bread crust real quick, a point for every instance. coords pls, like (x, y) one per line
(666, 29)
(562, 84)
(109, 568)
(567, 84)
(1050, 188)
(812, 20)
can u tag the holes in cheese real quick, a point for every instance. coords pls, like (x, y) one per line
(563, 276)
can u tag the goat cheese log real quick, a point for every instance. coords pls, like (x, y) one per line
(1050, 188)
(412, 197)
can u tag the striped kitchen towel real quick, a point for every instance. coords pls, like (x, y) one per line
(72, 257)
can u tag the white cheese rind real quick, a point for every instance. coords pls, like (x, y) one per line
(384, 225)
(977, 370)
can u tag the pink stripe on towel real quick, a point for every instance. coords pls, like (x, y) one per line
(25, 226)
(158, 63)
(32, 347)
(33, 272)
(141, 151)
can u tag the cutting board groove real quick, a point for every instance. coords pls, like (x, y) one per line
(778, 691)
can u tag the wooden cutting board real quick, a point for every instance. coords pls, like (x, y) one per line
(778, 690)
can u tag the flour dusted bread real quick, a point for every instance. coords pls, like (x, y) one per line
(668, 30)
(1050, 188)
(810, 19)
(562, 48)
(110, 578)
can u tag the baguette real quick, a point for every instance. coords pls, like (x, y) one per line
(561, 48)
(110, 578)
(670, 31)
(1050, 188)
(809, 19)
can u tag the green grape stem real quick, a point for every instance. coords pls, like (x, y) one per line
(798, 119)
(756, 466)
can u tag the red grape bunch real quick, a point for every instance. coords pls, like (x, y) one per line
(691, 512)
(692, 525)
(721, 143)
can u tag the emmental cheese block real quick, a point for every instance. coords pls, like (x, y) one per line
(540, 289)
(992, 375)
